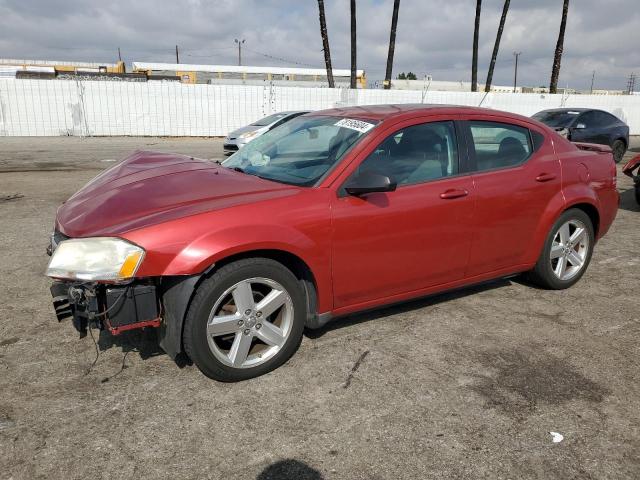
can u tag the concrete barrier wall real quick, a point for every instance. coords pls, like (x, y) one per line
(109, 108)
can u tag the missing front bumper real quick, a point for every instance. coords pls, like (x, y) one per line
(110, 307)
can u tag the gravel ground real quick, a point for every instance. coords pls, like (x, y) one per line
(462, 385)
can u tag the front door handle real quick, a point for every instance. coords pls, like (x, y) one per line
(453, 193)
(545, 177)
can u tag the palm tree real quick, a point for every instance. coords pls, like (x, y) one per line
(557, 58)
(474, 61)
(392, 44)
(353, 45)
(325, 44)
(496, 46)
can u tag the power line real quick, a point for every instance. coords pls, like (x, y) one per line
(281, 59)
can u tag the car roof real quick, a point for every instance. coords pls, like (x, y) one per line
(398, 111)
(572, 110)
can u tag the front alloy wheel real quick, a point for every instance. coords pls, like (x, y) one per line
(245, 320)
(250, 322)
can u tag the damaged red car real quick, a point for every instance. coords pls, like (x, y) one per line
(334, 212)
(628, 169)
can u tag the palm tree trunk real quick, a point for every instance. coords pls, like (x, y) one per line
(392, 44)
(496, 46)
(325, 44)
(353, 46)
(557, 58)
(474, 61)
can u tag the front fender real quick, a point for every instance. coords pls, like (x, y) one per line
(208, 249)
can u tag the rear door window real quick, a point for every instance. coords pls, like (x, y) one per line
(604, 119)
(589, 120)
(499, 145)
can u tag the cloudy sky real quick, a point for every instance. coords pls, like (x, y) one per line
(434, 36)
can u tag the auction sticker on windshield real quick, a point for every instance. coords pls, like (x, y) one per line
(357, 125)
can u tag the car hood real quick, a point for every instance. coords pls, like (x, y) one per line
(149, 188)
(248, 128)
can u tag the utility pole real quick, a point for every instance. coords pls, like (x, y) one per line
(631, 84)
(515, 74)
(392, 44)
(119, 55)
(353, 46)
(177, 56)
(239, 42)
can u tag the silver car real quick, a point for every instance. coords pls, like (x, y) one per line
(240, 137)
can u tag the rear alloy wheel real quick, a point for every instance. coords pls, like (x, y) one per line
(245, 320)
(619, 149)
(567, 251)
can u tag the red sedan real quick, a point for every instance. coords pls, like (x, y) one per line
(334, 212)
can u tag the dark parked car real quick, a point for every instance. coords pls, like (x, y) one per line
(332, 213)
(588, 125)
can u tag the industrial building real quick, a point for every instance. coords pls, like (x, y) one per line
(10, 67)
(248, 75)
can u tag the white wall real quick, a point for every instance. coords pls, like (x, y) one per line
(106, 108)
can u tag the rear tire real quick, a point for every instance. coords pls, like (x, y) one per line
(566, 253)
(619, 148)
(245, 320)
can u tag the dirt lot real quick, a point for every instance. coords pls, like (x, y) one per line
(464, 385)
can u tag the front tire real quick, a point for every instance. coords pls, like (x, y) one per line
(567, 251)
(245, 320)
(619, 148)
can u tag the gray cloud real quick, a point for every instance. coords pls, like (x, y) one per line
(433, 36)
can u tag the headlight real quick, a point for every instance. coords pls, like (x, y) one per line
(99, 258)
(248, 135)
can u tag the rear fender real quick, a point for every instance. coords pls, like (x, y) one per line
(578, 194)
(554, 209)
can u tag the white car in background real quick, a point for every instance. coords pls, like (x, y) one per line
(240, 137)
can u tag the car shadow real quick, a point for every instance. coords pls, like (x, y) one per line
(289, 469)
(628, 200)
(406, 306)
(144, 342)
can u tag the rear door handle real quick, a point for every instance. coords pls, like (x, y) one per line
(545, 177)
(453, 193)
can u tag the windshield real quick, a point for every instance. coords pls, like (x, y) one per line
(300, 151)
(269, 120)
(557, 119)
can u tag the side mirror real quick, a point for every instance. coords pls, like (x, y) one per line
(580, 126)
(369, 182)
